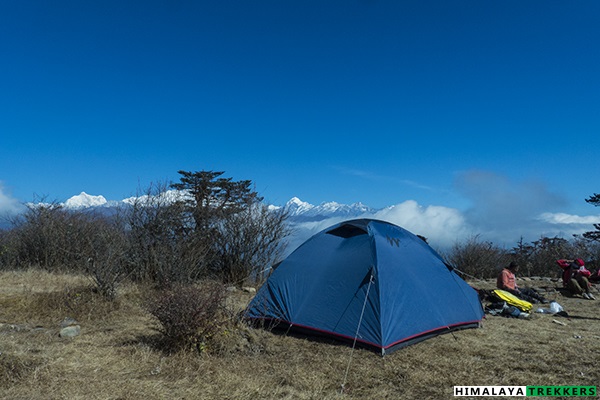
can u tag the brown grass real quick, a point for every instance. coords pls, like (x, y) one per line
(118, 355)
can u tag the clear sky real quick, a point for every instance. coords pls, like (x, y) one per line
(475, 106)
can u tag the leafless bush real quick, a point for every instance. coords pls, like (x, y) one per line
(34, 239)
(189, 316)
(7, 245)
(106, 263)
(539, 257)
(210, 227)
(163, 247)
(476, 258)
(248, 242)
(53, 238)
(49, 237)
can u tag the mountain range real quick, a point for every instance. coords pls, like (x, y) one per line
(305, 219)
(442, 226)
(299, 211)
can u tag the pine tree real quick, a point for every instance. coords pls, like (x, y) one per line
(593, 235)
(214, 198)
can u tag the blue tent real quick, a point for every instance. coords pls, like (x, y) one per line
(367, 280)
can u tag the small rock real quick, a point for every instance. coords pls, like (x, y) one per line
(70, 331)
(249, 289)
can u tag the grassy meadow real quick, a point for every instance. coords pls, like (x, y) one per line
(118, 354)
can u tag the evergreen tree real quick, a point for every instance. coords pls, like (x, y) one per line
(593, 235)
(242, 235)
(214, 198)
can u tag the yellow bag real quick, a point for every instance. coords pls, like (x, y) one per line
(513, 300)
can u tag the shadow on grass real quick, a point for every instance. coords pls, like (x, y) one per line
(280, 329)
(157, 342)
(581, 317)
(567, 293)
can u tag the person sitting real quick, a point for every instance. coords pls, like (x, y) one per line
(575, 278)
(507, 281)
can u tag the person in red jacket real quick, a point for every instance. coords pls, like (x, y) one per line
(575, 278)
(507, 281)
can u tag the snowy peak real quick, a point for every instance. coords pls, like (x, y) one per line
(295, 206)
(298, 210)
(337, 208)
(166, 197)
(303, 210)
(84, 200)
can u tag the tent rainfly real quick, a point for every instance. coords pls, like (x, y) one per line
(367, 281)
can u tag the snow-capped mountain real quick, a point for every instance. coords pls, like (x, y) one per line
(301, 210)
(168, 196)
(305, 219)
(84, 200)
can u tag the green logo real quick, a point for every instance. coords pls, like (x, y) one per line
(561, 391)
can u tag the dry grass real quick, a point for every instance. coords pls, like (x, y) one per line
(117, 355)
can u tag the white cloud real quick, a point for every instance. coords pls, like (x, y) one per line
(441, 225)
(501, 211)
(8, 204)
(504, 211)
(568, 219)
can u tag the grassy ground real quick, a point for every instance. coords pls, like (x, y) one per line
(118, 356)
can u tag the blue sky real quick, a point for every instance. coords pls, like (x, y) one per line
(479, 107)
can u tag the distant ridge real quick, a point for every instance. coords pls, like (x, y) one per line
(299, 211)
(304, 219)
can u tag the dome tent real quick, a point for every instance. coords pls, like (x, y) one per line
(369, 280)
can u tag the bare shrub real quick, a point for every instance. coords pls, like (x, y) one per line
(477, 258)
(38, 240)
(55, 239)
(189, 316)
(49, 237)
(539, 257)
(106, 264)
(593, 253)
(162, 245)
(247, 242)
(7, 246)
